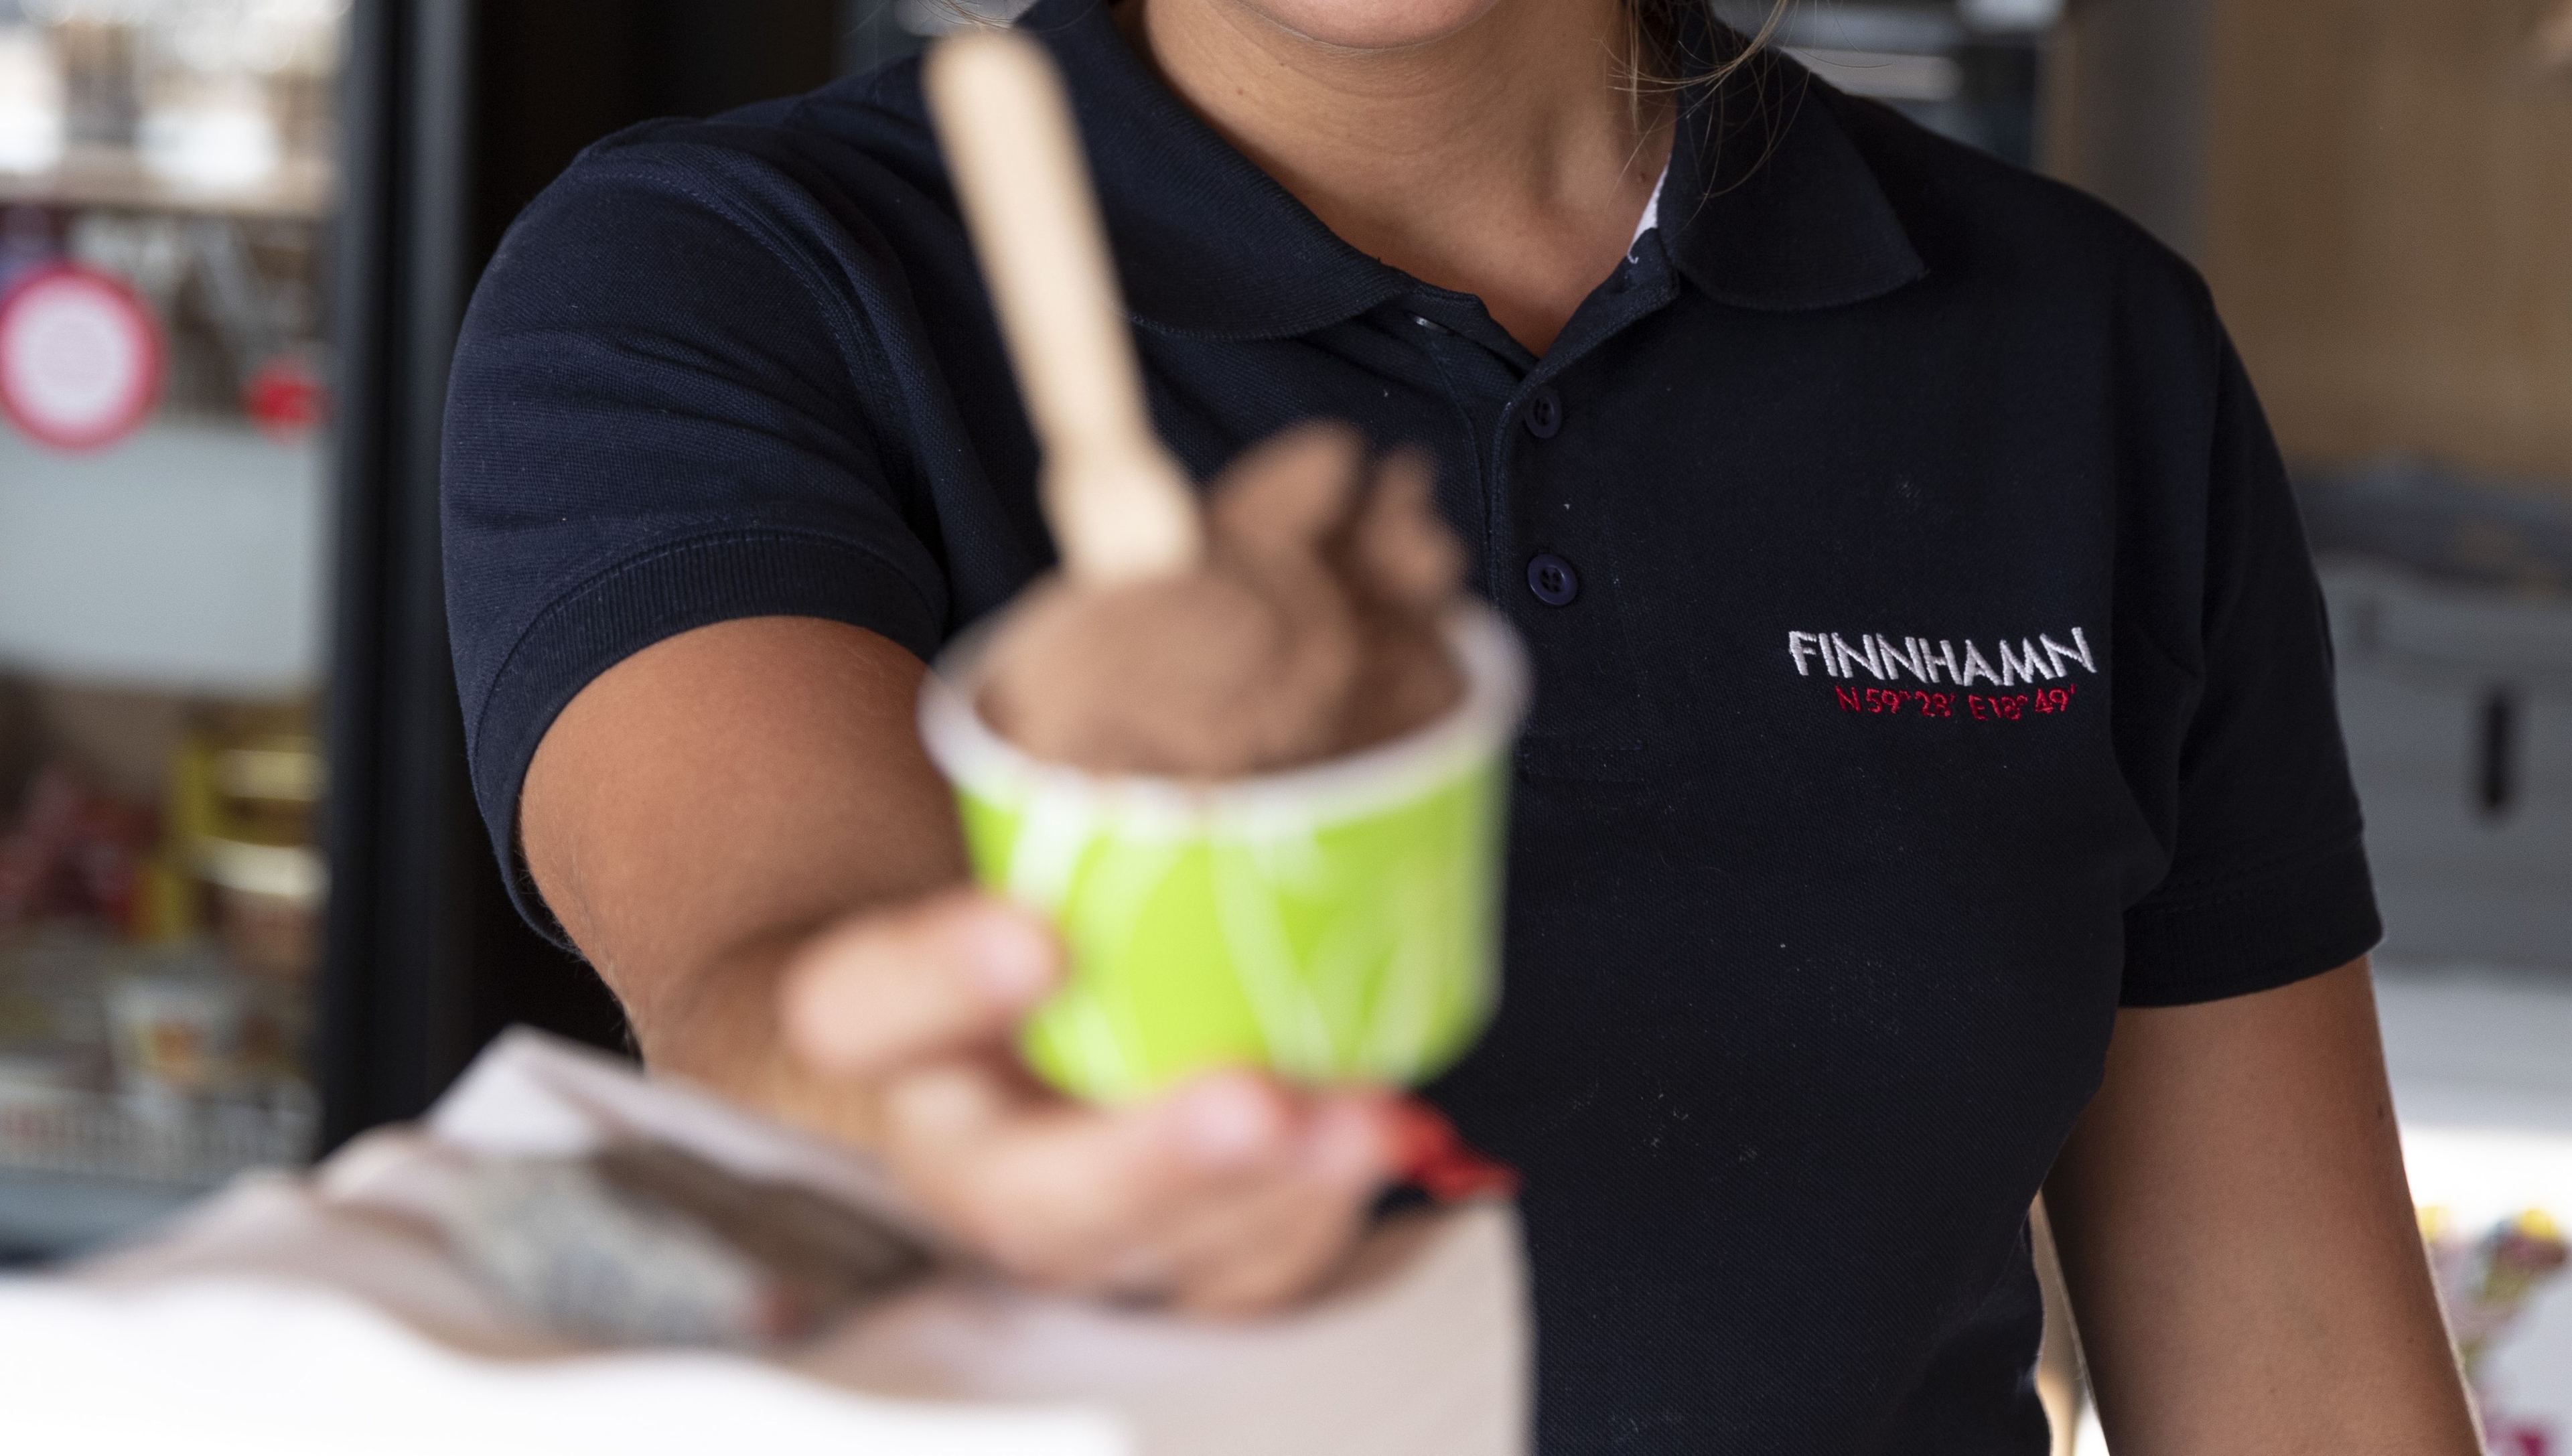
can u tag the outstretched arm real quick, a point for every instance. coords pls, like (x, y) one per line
(2239, 1241)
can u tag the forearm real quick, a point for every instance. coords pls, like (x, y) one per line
(705, 805)
(2238, 1238)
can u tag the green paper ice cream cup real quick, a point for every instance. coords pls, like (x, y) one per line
(1335, 924)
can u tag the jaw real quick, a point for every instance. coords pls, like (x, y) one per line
(1344, 30)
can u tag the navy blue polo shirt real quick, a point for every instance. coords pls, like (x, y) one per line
(1929, 661)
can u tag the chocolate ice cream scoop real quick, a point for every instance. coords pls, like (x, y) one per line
(1309, 628)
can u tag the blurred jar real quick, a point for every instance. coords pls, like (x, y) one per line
(232, 89)
(263, 777)
(33, 129)
(268, 906)
(267, 779)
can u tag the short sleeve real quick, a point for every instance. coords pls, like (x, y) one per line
(2268, 881)
(657, 421)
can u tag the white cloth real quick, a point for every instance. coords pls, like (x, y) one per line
(1652, 210)
(322, 1314)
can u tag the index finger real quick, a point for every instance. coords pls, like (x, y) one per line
(888, 988)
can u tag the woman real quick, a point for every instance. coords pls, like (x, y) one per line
(1934, 791)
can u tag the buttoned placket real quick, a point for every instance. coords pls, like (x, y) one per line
(1502, 387)
(1526, 415)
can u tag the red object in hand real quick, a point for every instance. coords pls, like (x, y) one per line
(1438, 1163)
(285, 397)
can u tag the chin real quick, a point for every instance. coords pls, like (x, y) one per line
(1374, 25)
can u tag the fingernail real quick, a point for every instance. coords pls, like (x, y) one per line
(1228, 1122)
(1346, 1145)
(1012, 959)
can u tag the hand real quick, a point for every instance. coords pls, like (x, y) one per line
(705, 800)
(1232, 1194)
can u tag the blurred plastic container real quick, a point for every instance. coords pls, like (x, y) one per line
(179, 1027)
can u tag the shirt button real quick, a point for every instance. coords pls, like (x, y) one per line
(1553, 580)
(1544, 414)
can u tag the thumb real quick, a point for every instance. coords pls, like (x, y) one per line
(888, 989)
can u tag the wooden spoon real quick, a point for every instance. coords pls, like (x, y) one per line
(1121, 507)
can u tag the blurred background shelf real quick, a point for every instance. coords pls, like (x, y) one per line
(97, 1135)
(115, 179)
(81, 1170)
(190, 558)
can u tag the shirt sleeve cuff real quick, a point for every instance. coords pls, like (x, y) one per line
(648, 599)
(2296, 919)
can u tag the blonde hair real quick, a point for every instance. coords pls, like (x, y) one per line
(1657, 59)
(1659, 64)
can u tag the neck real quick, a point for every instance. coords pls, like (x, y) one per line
(1502, 159)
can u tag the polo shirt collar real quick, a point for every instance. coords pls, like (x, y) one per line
(1767, 204)
(1770, 206)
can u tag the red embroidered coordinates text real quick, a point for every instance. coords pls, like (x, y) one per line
(1950, 675)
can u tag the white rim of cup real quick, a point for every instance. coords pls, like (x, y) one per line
(1292, 801)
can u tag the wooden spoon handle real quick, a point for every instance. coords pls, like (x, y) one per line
(1120, 506)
